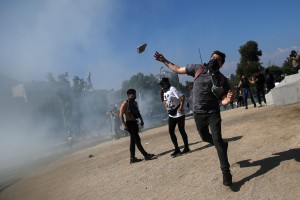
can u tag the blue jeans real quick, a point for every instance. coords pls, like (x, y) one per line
(247, 92)
(213, 121)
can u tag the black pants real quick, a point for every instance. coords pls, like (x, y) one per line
(260, 92)
(181, 124)
(133, 129)
(213, 121)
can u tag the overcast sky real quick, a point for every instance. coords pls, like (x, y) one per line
(101, 36)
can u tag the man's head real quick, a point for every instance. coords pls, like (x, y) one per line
(131, 94)
(219, 57)
(164, 83)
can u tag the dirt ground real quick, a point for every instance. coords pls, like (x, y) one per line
(263, 151)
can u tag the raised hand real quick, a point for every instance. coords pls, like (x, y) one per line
(159, 57)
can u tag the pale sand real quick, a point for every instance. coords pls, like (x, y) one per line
(263, 153)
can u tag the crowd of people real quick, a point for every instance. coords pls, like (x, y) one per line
(263, 82)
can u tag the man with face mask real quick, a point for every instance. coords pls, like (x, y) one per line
(210, 89)
(173, 101)
(130, 109)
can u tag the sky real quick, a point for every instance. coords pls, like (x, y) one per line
(101, 36)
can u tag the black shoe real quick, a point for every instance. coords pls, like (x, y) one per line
(227, 179)
(209, 141)
(134, 160)
(176, 153)
(149, 156)
(186, 150)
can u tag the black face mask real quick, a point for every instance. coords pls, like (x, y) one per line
(213, 66)
(165, 86)
(132, 98)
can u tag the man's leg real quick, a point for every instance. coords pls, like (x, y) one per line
(258, 93)
(252, 99)
(263, 95)
(181, 127)
(245, 92)
(221, 147)
(134, 137)
(202, 127)
(172, 124)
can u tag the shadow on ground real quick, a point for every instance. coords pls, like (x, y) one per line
(266, 165)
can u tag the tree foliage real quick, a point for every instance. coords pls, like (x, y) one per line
(249, 60)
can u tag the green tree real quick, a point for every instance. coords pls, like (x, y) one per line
(249, 61)
(287, 67)
(277, 72)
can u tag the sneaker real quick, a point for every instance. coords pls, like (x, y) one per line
(186, 150)
(227, 179)
(149, 156)
(134, 160)
(176, 153)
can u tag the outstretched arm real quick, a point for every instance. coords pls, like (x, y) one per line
(175, 68)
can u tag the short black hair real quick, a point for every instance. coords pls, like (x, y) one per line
(131, 91)
(163, 80)
(221, 54)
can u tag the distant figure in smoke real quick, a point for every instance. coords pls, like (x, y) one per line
(70, 141)
(130, 109)
(114, 114)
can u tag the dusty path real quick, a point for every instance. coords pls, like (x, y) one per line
(263, 153)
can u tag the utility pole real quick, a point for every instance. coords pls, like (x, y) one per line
(200, 56)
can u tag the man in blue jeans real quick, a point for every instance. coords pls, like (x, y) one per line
(210, 89)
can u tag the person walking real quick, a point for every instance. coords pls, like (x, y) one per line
(260, 81)
(245, 85)
(130, 109)
(211, 88)
(269, 80)
(173, 101)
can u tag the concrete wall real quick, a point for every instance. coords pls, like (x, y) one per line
(286, 92)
